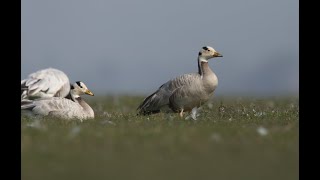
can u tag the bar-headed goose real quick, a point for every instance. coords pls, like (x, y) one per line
(48, 82)
(184, 92)
(60, 107)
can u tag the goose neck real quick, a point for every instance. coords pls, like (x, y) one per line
(203, 67)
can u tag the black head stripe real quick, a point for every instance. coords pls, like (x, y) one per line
(78, 82)
(71, 87)
(205, 48)
(200, 53)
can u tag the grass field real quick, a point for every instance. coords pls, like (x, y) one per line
(233, 138)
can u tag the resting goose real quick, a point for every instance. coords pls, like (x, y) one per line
(48, 82)
(60, 107)
(184, 92)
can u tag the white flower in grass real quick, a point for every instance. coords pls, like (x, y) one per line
(262, 131)
(194, 114)
(259, 114)
(108, 122)
(106, 114)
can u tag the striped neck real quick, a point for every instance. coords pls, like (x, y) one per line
(201, 61)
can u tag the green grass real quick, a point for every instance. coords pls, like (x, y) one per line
(223, 143)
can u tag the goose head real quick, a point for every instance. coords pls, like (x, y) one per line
(207, 53)
(79, 88)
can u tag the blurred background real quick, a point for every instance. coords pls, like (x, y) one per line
(132, 47)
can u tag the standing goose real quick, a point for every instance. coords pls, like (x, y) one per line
(184, 92)
(48, 82)
(60, 107)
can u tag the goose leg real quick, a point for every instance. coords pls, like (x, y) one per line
(181, 113)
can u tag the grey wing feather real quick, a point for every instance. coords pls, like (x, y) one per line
(192, 94)
(57, 106)
(160, 98)
(186, 97)
(27, 104)
(45, 83)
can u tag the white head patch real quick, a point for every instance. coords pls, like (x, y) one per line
(206, 53)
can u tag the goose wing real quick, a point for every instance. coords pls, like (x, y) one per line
(188, 96)
(159, 99)
(56, 106)
(45, 83)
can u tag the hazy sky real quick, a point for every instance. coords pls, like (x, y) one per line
(134, 46)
